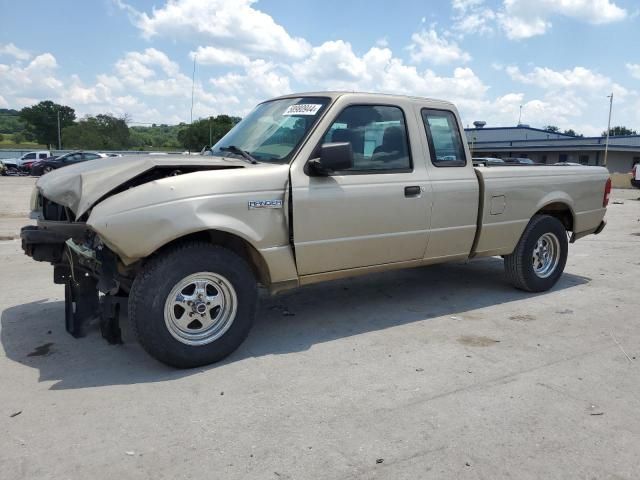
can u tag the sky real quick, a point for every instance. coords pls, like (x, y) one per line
(558, 59)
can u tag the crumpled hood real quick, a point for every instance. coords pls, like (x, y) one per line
(79, 186)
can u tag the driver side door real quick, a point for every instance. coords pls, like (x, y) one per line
(376, 212)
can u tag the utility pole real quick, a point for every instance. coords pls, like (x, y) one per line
(59, 138)
(606, 144)
(193, 85)
(210, 136)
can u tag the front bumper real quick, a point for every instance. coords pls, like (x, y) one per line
(45, 242)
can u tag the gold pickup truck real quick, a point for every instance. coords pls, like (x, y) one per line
(306, 188)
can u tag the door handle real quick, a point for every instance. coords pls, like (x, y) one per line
(412, 191)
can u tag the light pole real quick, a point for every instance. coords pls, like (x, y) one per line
(520, 116)
(59, 139)
(606, 143)
(193, 86)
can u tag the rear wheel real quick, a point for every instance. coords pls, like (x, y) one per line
(193, 305)
(47, 169)
(539, 259)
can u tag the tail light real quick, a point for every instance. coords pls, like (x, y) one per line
(607, 193)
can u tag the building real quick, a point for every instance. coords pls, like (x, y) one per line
(547, 147)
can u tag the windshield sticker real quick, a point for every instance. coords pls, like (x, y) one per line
(303, 109)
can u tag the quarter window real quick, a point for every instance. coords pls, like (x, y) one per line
(443, 135)
(378, 137)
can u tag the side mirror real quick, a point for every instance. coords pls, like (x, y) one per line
(333, 157)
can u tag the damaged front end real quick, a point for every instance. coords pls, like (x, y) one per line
(97, 282)
(84, 265)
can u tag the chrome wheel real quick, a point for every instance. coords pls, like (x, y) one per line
(200, 308)
(546, 255)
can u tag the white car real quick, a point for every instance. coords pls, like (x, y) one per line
(17, 164)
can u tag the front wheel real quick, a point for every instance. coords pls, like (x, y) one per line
(539, 259)
(47, 169)
(193, 305)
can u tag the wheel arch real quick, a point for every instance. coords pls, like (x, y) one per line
(232, 241)
(560, 209)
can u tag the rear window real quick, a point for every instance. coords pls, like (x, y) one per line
(443, 136)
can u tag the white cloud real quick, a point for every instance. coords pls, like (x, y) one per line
(577, 77)
(11, 50)
(228, 23)
(428, 46)
(378, 70)
(36, 79)
(219, 56)
(471, 16)
(525, 18)
(634, 69)
(259, 81)
(3, 102)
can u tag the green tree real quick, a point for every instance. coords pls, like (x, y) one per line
(196, 136)
(551, 128)
(42, 120)
(102, 132)
(18, 138)
(573, 133)
(10, 121)
(1, 137)
(620, 131)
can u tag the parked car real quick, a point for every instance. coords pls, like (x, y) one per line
(488, 161)
(569, 164)
(306, 188)
(48, 164)
(16, 165)
(520, 161)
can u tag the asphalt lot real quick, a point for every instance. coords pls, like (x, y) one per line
(439, 372)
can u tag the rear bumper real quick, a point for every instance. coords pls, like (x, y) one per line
(593, 231)
(603, 224)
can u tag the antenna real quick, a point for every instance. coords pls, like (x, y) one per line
(193, 85)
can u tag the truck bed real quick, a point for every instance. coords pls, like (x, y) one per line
(507, 203)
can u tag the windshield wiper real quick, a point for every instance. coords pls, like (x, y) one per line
(237, 150)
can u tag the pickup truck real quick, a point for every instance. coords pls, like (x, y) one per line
(306, 188)
(15, 165)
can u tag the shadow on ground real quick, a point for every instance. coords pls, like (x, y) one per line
(33, 334)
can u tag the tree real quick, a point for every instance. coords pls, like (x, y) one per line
(42, 120)
(620, 131)
(102, 132)
(551, 128)
(573, 133)
(196, 135)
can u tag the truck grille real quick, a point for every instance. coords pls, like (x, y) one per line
(54, 211)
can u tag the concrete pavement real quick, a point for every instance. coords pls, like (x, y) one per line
(439, 372)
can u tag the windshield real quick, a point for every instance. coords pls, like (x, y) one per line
(273, 130)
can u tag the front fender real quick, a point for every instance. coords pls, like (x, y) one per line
(134, 227)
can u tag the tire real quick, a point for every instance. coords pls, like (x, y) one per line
(534, 266)
(47, 170)
(158, 304)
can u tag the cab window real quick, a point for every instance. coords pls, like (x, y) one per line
(378, 137)
(443, 137)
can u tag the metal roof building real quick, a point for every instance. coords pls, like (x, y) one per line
(546, 147)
